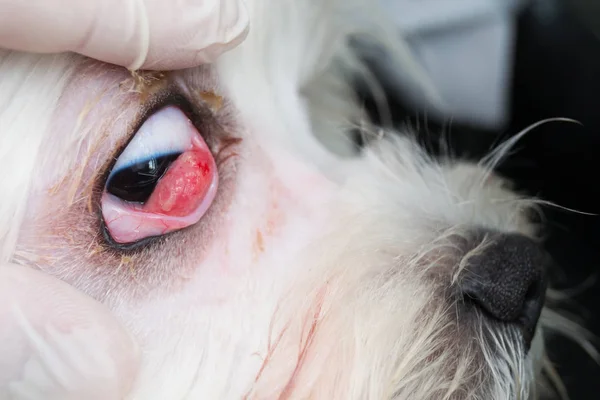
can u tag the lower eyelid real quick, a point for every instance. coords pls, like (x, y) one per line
(128, 223)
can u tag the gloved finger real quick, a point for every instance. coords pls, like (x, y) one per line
(137, 34)
(58, 344)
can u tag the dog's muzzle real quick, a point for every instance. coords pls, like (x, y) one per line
(507, 281)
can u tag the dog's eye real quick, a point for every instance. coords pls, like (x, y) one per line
(164, 180)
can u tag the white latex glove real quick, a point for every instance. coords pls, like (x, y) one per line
(58, 344)
(137, 34)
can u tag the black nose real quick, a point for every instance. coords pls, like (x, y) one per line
(508, 280)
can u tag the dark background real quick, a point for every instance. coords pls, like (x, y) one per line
(556, 74)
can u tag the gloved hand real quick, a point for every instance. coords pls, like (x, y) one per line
(57, 343)
(137, 34)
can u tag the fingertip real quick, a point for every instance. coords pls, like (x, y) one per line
(203, 32)
(59, 343)
(234, 30)
(137, 34)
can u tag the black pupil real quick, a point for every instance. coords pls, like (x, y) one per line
(135, 183)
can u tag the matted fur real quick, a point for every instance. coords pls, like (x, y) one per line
(340, 296)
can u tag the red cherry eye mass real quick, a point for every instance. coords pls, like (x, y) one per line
(183, 186)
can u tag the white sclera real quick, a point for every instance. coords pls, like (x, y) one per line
(166, 132)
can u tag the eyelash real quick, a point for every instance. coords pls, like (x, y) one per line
(219, 142)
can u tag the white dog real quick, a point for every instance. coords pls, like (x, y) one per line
(224, 215)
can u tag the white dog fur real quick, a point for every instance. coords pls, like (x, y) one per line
(313, 277)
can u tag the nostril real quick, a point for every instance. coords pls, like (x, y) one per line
(507, 281)
(533, 304)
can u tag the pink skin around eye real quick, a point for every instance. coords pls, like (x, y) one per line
(180, 199)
